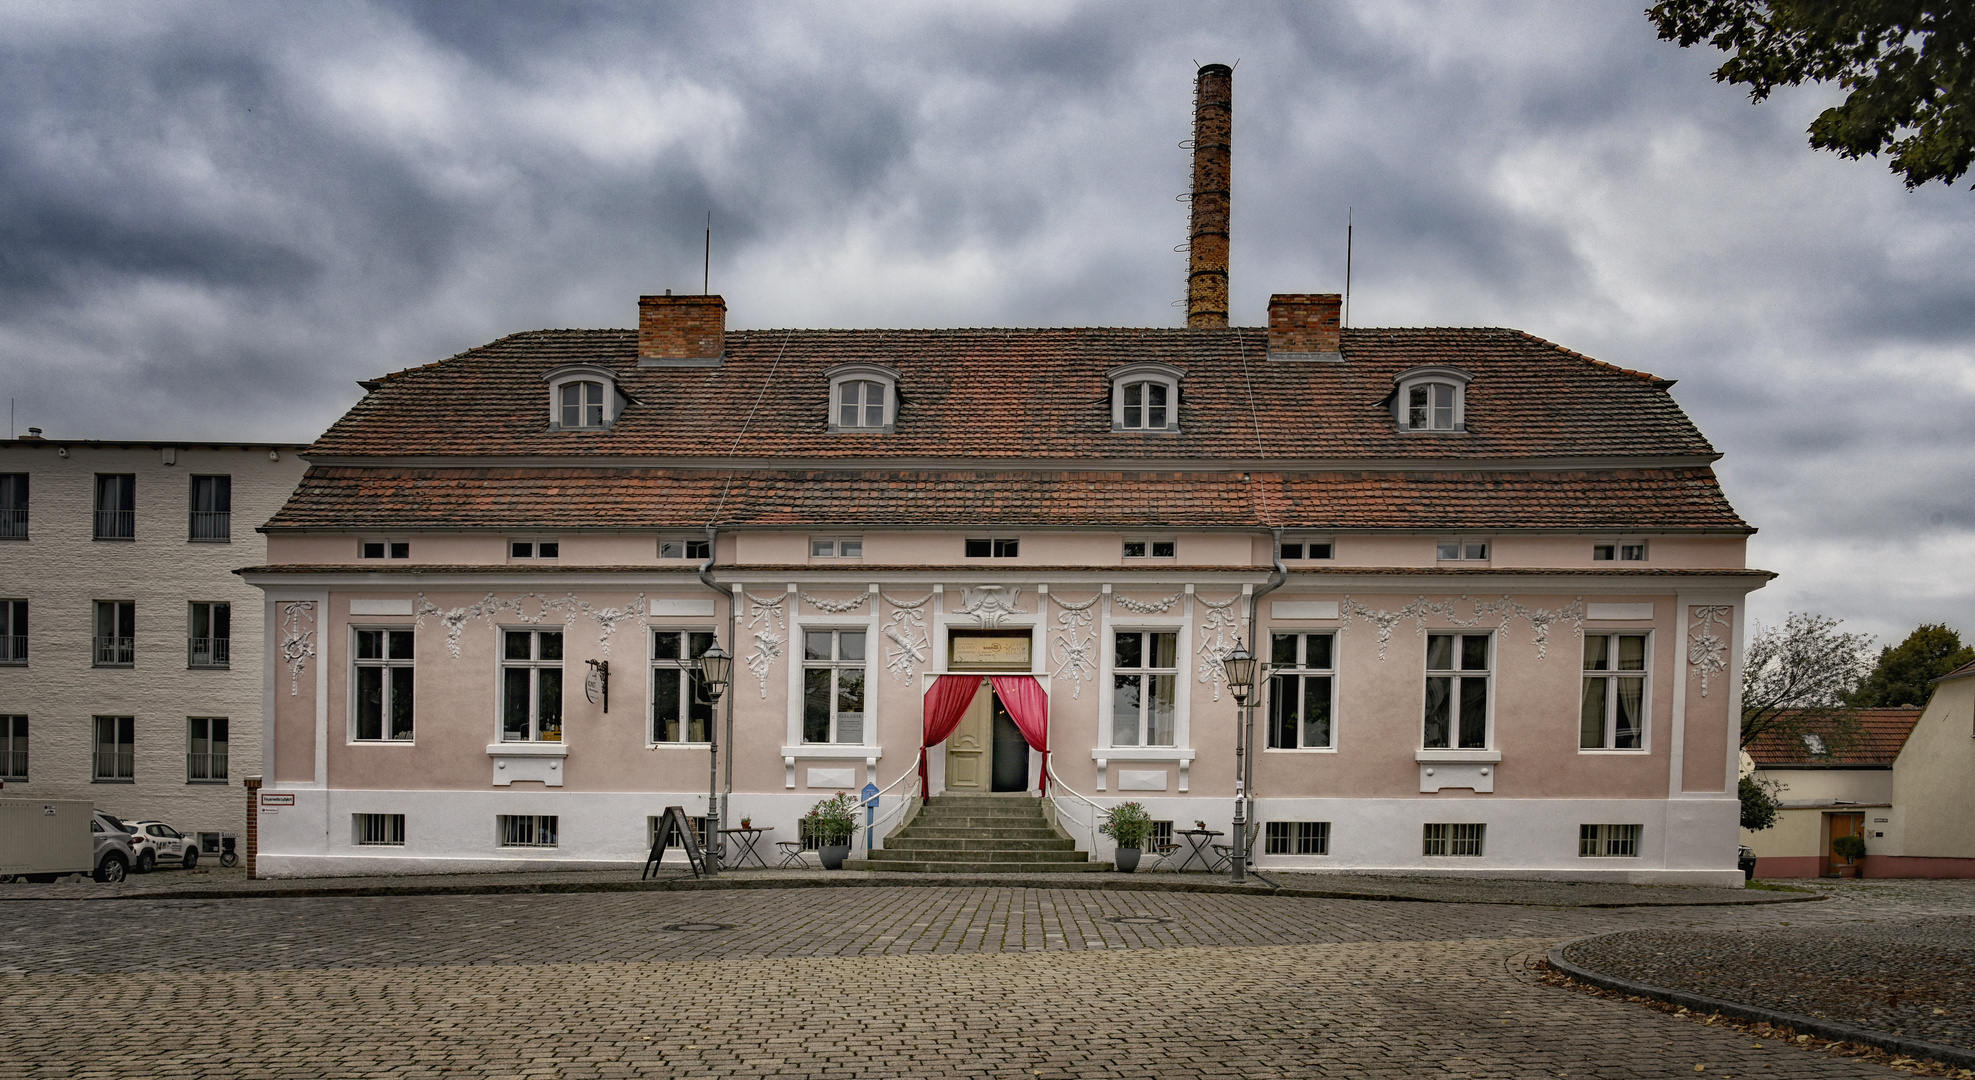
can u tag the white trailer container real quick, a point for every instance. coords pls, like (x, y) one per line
(46, 836)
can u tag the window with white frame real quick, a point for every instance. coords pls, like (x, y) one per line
(1298, 548)
(378, 830)
(1151, 549)
(534, 549)
(1612, 711)
(531, 686)
(380, 549)
(211, 509)
(681, 708)
(116, 633)
(836, 547)
(1431, 399)
(205, 750)
(1145, 688)
(580, 404)
(1145, 398)
(1467, 549)
(833, 686)
(527, 830)
(209, 635)
(684, 546)
(116, 506)
(1619, 551)
(1448, 838)
(583, 397)
(986, 547)
(1302, 680)
(1608, 841)
(1296, 838)
(863, 397)
(383, 662)
(1457, 675)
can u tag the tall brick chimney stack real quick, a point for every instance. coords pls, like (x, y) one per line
(681, 331)
(1213, 127)
(1303, 326)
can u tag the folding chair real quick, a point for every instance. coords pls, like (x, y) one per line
(1160, 857)
(1224, 853)
(792, 853)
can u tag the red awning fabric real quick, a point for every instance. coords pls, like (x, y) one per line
(1028, 705)
(945, 704)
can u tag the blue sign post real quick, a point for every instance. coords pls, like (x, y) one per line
(870, 800)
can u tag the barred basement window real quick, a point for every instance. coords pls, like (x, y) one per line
(1452, 839)
(1608, 841)
(1297, 838)
(381, 830)
(1162, 835)
(528, 830)
(672, 837)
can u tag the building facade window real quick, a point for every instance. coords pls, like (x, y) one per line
(1608, 841)
(833, 686)
(1301, 548)
(527, 830)
(583, 397)
(1296, 838)
(673, 837)
(1612, 710)
(1457, 676)
(1151, 549)
(205, 750)
(863, 398)
(1431, 399)
(1145, 688)
(534, 549)
(13, 631)
(1300, 691)
(378, 830)
(581, 404)
(115, 759)
(383, 549)
(1462, 550)
(384, 674)
(13, 748)
(13, 506)
(209, 637)
(1619, 551)
(212, 509)
(684, 547)
(1452, 839)
(116, 506)
(116, 633)
(836, 547)
(681, 710)
(1145, 398)
(531, 686)
(993, 547)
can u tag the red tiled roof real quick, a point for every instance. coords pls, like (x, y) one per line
(1022, 394)
(1881, 734)
(383, 497)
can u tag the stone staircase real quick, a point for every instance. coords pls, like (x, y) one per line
(979, 834)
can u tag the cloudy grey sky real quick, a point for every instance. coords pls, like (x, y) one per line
(215, 217)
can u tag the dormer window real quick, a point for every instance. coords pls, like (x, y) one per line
(1431, 399)
(1145, 397)
(583, 397)
(863, 398)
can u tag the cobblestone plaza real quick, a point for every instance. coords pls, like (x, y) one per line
(861, 982)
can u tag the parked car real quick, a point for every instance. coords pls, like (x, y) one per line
(156, 842)
(113, 851)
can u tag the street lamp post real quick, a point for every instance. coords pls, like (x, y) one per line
(716, 668)
(1240, 669)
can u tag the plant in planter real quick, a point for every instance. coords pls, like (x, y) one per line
(1851, 849)
(832, 822)
(1129, 825)
(747, 823)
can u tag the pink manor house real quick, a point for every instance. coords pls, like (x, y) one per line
(1494, 584)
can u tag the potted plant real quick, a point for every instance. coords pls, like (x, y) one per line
(1851, 849)
(832, 822)
(747, 823)
(1129, 825)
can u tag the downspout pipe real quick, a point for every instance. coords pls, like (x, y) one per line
(716, 798)
(1276, 580)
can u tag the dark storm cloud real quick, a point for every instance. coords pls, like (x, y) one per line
(214, 218)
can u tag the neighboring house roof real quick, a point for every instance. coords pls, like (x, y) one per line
(1024, 395)
(1881, 734)
(1962, 672)
(381, 497)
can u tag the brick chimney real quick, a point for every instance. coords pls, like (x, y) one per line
(1303, 326)
(681, 331)
(1213, 127)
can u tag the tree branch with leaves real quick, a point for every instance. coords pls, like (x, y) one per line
(1796, 677)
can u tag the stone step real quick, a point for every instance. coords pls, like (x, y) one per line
(959, 821)
(969, 843)
(1038, 832)
(975, 867)
(994, 855)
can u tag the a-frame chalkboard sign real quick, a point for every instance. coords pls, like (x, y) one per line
(675, 818)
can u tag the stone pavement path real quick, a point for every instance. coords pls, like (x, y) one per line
(850, 982)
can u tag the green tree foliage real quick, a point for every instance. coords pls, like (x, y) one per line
(1906, 672)
(1909, 67)
(1758, 803)
(1795, 678)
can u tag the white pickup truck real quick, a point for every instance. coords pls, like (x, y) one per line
(43, 839)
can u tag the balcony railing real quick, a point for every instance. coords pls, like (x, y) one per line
(13, 648)
(115, 765)
(212, 525)
(205, 767)
(13, 524)
(13, 765)
(207, 651)
(116, 651)
(116, 524)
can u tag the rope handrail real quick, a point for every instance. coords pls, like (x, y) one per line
(1059, 786)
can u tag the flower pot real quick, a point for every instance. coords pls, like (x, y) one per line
(833, 855)
(1848, 871)
(1126, 859)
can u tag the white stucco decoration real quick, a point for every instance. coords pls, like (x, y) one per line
(834, 607)
(1148, 607)
(1218, 631)
(297, 640)
(1707, 650)
(767, 641)
(1076, 646)
(495, 610)
(910, 644)
(1540, 619)
(988, 606)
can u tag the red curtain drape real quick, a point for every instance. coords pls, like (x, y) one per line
(1028, 706)
(945, 704)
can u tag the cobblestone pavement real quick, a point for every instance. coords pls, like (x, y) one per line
(855, 982)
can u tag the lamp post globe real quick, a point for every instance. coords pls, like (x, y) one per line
(716, 666)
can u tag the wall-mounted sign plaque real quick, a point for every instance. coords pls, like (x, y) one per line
(988, 652)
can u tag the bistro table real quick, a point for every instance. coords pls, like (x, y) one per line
(1199, 843)
(743, 845)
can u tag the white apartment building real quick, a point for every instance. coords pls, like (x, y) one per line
(130, 651)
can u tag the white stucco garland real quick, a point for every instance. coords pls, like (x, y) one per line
(1074, 648)
(1707, 650)
(1540, 619)
(834, 607)
(493, 609)
(1148, 607)
(988, 606)
(910, 644)
(297, 643)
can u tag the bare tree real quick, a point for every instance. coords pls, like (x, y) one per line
(1795, 678)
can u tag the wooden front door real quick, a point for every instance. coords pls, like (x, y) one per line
(969, 750)
(1840, 825)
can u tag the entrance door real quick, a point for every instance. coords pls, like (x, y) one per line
(1841, 825)
(969, 749)
(1011, 752)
